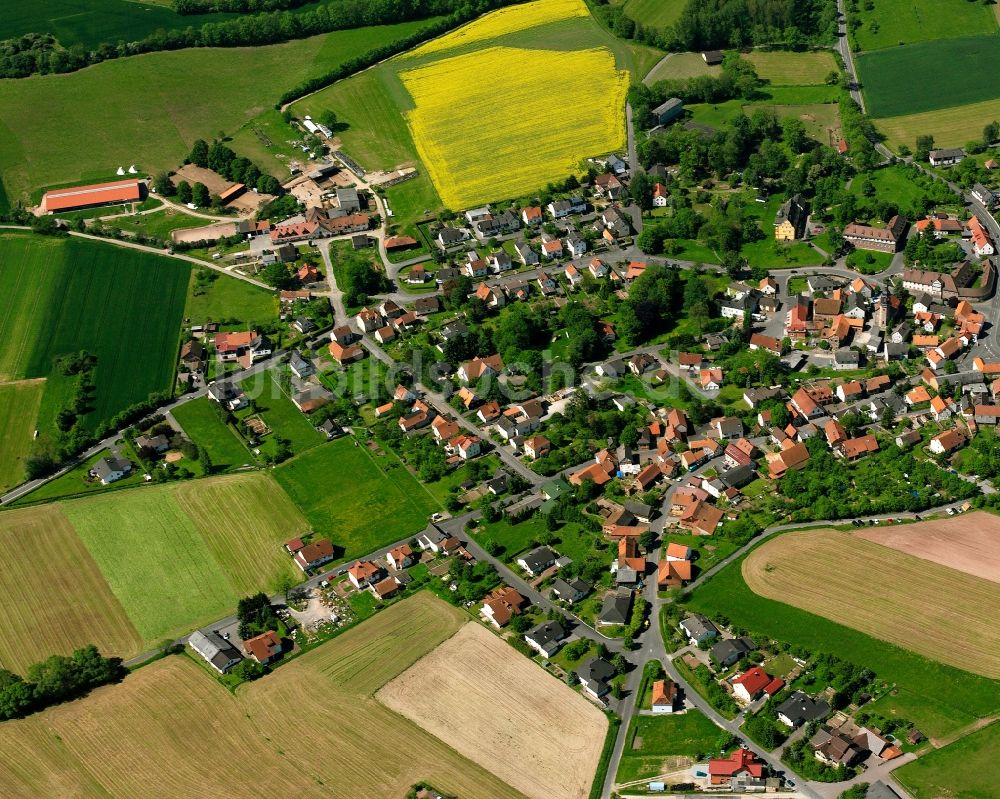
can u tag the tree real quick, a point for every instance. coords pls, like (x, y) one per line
(619, 663)
(283, 585)
(163, 186)
(328, 119)
(249, 669)
(991, 132)
(200, 195)
(794, 134)
(184, 192)
(925, 143)
(647, 540)
(199, 153)
(520, 624)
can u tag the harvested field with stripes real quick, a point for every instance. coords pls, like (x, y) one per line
(928, 608)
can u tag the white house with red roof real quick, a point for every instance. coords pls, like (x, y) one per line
(754, 683)
(742, 762)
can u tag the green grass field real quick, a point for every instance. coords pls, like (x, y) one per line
(360, 500)
(229, 298)
(950, 127)
(654, 13)
(680, 66)
(198, 419)
(918, 681)
(793, 69)
(908, 21)
(652, 739)
(125, 118)
(89, 22)
(244, 520)
(154, 559)
(19, 404)
(943, 74)
(66, 295)
(966, 768)
(158, 224)
(280, 414)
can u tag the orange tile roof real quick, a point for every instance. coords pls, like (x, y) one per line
(119, 191)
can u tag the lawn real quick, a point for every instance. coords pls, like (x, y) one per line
(514, 538)
(53, 593)
(124, 118)
(244, 520)
(78, 482)
(154, 559)
(918, 680)
(940, 68)
(19, 403)
(273, 404)
(682, 65)
(966, 768)
(772, 254)
(907, 21)
(651, 740)
(360, 500)
(793, 69)
(66, 295)
(219, 297)
(199, 420)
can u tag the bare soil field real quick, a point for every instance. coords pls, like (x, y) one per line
(969, 543)
(311, 727)
(936, 611)
(503, 712)
(207, 233)
(61, 601)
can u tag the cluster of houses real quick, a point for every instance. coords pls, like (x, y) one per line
(219, 652)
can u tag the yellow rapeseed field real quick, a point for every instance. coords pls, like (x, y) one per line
(504, 121)
(506, 20)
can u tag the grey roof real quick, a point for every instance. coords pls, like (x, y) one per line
(698, 625)
(738, 476)
(879, 790)
(546, 632)
(214, 648)
(563, 588)
(596, 673)
(539, 558)
(616, 607)
(106, 466)
(668, 105)
(847, 356)
(729, 648)
(638, 509)
(800, 708)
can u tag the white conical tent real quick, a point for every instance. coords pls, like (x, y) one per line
(121, 171)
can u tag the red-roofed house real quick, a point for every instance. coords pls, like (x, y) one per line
(264, 647)
(722, 771)
(755, 682)
(364, 573)
(313, 555)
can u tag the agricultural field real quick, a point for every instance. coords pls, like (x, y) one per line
(66, 295)
(969, 543)
(375, 105)
(917, 695)
(941, 68)
(112, 106)
(154, 559)
(19, 404)
(654, 13)
(906, 605)
(224, 297)
(892, 23)
(966, 769)
(198, 419)
(210, 741)
(950, 127)
(359, 499)
(470, 693)
(88, 23)
(679, 66)
(244, 520)
(498, 118)
(793, 69)
(658, 744)
(54, 596)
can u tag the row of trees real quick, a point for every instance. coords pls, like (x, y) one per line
(57, 679)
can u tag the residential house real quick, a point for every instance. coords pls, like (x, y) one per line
(532, 215)
(660, 196)
(314, 555)
(946, 156)
(501, 605)
(570, 591)
(867, 237)
(344, 355)
(263, 648)
(710, 379)
(473, 370)
(742, 763)
(400, 557)
(527, 255)
(111, 470)
(800, 708)
(698, 629)
(228, 395)
(665, 696)
(552, 248)
(615, 609)
(673, 573)
(595, 677)
(755, 682)
(537, 447)
(158, 443)
(793, 457)
(545, 638)
(729, 651)
(368, 320)
(947, 442)
(669, 110)
(759, 341)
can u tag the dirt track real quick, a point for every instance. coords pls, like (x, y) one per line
(969, 543)
(504, 713)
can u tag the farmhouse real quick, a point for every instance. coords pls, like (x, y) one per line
(946, 157)
(93, 195)
(215, 650)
